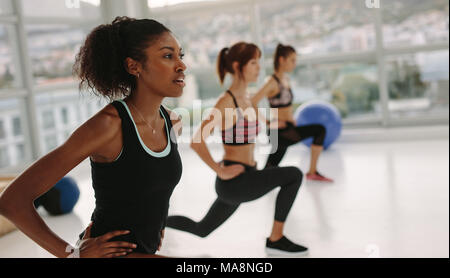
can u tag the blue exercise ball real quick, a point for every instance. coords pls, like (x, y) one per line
(61, 198)
(320, 112)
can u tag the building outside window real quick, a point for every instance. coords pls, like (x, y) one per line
(48, 119)
(4, 157)
(2, 130)
(20, 152)
(51, 142)
(64, 115)
(17, 126)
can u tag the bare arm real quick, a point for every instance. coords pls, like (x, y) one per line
(204, 131)
(267, 90)
(270, 123)
(216, 118)
(16, 201)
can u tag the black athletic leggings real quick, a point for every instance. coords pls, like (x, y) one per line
(291, 135)
(246, 187)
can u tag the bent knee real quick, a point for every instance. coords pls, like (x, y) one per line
(203, 233)
(297, 174)
(202, 230)
(320, 129)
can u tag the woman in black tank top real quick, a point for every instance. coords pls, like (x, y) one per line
(133, 191)
(130, 143)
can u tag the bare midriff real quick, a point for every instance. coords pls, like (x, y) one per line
(285, 114)
(240, 153)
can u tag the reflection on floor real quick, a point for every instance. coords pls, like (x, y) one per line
(389, 199)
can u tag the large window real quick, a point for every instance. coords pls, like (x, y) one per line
(418, 83)
(404, 76)
(13, 139)
(317, 27)
(61, 112)
(415, 22)
(52, 50)
(351, 86)
(38, 64)
(72, 9)
(339, 56)
(8, 65)
(5, 7)
(203, 33)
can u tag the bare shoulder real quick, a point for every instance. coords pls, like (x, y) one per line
(100, 129)
(224, 101)
(106, 121)
(269, 79)
(271, 82)
(272, 86)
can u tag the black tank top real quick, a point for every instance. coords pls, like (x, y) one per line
(133, 192)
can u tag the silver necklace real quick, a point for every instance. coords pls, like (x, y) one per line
(140, 115)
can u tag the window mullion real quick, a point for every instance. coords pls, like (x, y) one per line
(27, 79)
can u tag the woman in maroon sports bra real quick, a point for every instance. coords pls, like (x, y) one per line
(238, 179)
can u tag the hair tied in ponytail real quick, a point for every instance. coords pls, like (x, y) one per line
(240, 52)
(281, 51)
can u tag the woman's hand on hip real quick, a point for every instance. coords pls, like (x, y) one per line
(231, 171)
(100, 247)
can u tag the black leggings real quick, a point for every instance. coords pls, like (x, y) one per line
(249, 186)
(291, 135)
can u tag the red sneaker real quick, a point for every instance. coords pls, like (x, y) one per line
(318, 177)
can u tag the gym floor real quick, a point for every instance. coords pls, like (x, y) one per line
(389, 199)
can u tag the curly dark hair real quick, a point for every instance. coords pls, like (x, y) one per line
(100, 62)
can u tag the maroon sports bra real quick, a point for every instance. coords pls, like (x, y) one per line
(243, 131)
